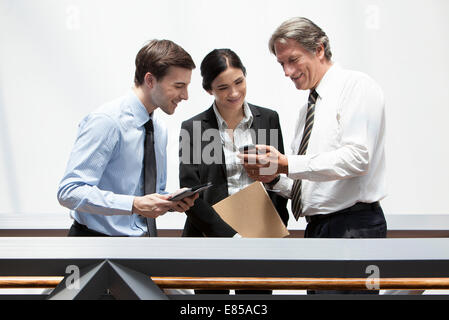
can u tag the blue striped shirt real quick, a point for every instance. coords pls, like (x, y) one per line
(104, 172)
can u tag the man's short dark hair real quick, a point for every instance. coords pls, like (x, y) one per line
(159, 55)
(216, 62)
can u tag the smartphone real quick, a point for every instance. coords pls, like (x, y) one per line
(247, 149)
(190, 191)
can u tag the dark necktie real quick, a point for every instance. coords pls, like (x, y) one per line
(296, 190)
(149, 171)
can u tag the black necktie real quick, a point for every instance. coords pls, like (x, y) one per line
(296, 190)
(149, 171)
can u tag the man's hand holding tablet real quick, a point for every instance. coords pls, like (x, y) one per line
(188, 192)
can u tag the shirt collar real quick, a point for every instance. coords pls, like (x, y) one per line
(325, 84)
(247, 116)
(138, 110)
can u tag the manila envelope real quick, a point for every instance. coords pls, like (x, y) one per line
(251, 213)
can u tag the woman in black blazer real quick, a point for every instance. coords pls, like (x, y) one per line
(207, 154)
(209, 144)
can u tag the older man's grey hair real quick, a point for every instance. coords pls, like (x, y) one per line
(303, 31)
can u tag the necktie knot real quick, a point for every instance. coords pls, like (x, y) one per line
(312, 97)
(149, 126)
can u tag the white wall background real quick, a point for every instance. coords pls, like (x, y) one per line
(60, 59)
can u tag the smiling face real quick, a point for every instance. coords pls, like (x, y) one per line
(229, 89)
(304, 68)
(167, 92)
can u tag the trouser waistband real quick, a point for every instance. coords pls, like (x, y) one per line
(357, 207)
(86, 230)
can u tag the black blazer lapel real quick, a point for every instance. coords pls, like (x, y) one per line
(209, 121)
(257, 122)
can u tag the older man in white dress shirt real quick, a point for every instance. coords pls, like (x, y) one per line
(335, 175)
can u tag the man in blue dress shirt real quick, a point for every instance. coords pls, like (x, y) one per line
(104, 181)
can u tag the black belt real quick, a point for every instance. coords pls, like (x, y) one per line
(359, 206)
(87, 230)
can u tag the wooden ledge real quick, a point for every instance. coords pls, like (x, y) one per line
(256, 283)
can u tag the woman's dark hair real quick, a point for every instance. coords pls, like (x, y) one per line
(159, 55)
(216, 62)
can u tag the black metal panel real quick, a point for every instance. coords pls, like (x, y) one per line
(93, 283)
(236, 268)
(127, 284)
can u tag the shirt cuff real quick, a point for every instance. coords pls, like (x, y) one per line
(237, 236)
(284, 186)
(298, 166)
(270, 185)
(124, 204)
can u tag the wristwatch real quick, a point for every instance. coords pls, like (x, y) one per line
(273, 182)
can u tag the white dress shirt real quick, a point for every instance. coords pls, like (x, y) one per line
(236, 174)
(345, 159)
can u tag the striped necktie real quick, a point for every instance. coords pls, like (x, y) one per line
(296, 190)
